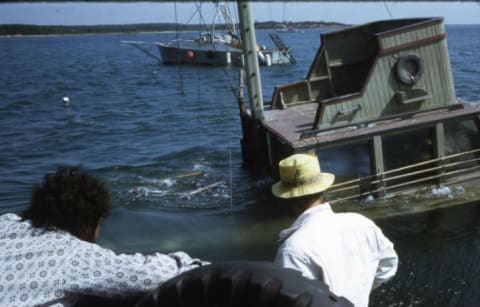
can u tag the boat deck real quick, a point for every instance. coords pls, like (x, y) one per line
(295, 126)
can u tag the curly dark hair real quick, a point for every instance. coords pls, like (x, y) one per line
(70, 200)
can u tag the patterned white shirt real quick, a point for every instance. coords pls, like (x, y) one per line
(345, 250)
(54, 268)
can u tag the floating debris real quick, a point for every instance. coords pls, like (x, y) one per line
(191, 193)
(442, 191)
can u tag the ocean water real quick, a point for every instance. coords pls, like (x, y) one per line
(166, 139)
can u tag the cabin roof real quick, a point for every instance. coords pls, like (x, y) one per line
(295, 127)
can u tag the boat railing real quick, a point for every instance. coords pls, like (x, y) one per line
(296, 93)
(449, 169)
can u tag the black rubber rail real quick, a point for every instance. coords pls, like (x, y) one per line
(242, 284)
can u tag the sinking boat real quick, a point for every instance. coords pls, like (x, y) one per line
(387, 112)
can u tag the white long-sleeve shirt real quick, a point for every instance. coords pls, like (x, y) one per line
(345, 250)
(54, 268)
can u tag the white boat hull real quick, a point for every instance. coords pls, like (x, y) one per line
(193, 52)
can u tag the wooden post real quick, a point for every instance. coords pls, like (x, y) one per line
(329, 72)
(309, 89)
(439, 148)
(376, 162)
(476, 120)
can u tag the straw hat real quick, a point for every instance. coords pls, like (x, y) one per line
(300, 175)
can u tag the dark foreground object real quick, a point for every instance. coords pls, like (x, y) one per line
(242, 283)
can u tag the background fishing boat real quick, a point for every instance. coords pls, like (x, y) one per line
(218, 43)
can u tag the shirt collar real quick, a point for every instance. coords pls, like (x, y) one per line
(303, 218)
(322, 208)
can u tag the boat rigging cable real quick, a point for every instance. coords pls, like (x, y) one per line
(229, 124)
(229, 136)
(182, 91)
(237, 95)
(388, 9)
(229, 115)
(227, 78)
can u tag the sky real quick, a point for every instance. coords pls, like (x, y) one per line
(82, 13)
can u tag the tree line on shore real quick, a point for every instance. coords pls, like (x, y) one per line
(25, 29)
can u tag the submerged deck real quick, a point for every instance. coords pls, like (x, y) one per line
(416, 201)
(295, 126)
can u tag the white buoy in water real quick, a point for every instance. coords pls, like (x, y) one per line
(66, 101)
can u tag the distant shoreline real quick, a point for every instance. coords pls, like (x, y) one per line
(25, 29)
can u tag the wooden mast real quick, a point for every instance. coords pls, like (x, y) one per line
(253, 142)
(252, 70)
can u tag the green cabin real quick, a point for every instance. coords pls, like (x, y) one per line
(383, 90)
(378, 70)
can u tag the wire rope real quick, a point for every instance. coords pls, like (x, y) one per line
(180, 73)
(236, 95)
(388, 9)
(229, 115)
(230, 86)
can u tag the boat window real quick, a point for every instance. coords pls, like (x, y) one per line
(460, 136)
(462, 145)
(407, 148)
(402, 157)
(346, 162)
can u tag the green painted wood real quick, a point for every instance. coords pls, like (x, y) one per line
(378, 99)
(367, 76)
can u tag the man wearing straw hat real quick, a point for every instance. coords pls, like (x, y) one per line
(345, 250)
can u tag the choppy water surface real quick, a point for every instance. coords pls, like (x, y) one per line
(129, 123)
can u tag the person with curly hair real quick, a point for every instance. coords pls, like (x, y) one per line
(48, 254)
